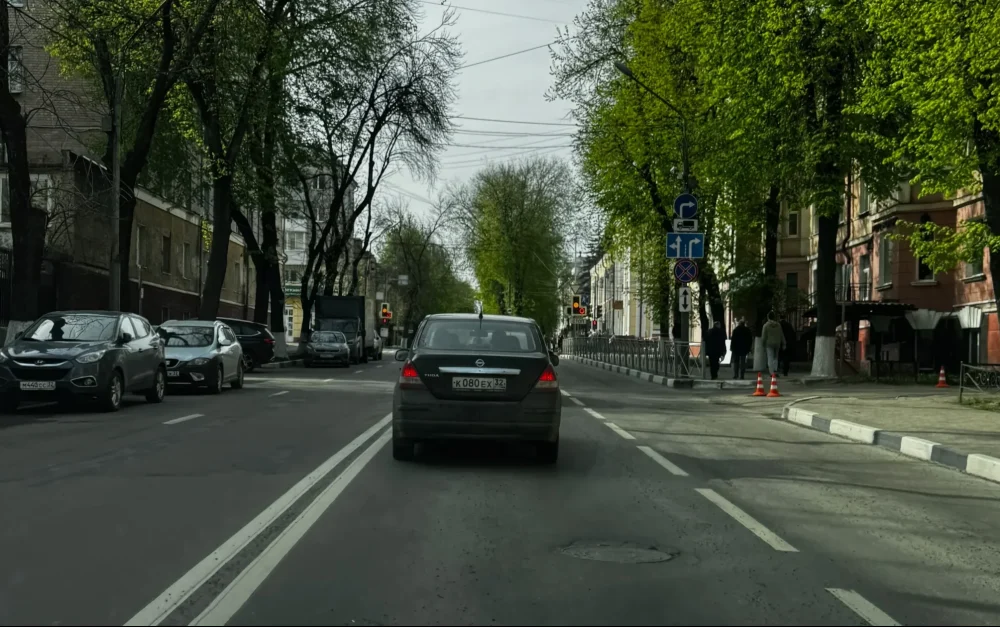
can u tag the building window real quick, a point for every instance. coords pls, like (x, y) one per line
(975, 268)
(238, 273)
(885, 252)
(865, 276)
(295, 240)
(4, 200)
(924, 272)
(793, 223)
(15, 70)
(166, 255)
(864, 200)
(185, 259)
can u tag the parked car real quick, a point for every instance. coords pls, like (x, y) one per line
(255, 338)
(477, 377)
(83, 355)
(202, 354)
(327, 347)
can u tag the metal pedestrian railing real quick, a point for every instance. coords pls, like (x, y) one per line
(980, 380)
(664, 357)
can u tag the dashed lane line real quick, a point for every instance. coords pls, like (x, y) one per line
(622, 432)
(576, 400)
(593, 413)
(862, 607)
(769, 537)
(279, 393)
(671, 467)
(182, 419)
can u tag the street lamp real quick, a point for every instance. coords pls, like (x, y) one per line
(115, 271)
(685, 161)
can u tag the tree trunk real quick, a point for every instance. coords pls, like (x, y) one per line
(27, 223)
(988, 149)
(772, 224)
(277, 325)
(218, 259)
(262, 291)
(824, 352)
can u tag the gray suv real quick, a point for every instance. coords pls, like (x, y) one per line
(83, 355)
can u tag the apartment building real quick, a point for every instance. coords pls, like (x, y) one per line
(617, 288)
(171, 226)
(898, 311)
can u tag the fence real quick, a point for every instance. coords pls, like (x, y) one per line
(981, 379)
(668, 358)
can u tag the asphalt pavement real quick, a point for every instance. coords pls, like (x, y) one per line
(280, 504)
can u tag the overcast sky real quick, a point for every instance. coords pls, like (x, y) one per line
(503, 90)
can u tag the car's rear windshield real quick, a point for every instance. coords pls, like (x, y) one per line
(74, 328)
(182, 336)
(329, 337)
(490, 336)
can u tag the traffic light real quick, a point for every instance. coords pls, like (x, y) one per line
(600, 310)
(385, 310)
(593, 323)
(583, 311)
(576, 304)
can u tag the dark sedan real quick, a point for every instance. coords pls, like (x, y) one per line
(477, 377)
(70, 355)
(328, 347)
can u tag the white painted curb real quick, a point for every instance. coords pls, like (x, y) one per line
(983, 466)
(917, 447)
(853, 431)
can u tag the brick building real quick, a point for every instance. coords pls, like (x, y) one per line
(170, 235)
(898, 311)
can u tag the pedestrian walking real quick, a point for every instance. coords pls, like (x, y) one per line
(774, 341)
(715, 346)
(740, 344)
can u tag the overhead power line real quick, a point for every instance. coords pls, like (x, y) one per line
(523, 17)
(509, 54)
(463, 117)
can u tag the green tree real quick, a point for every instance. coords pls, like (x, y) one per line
(934, 89)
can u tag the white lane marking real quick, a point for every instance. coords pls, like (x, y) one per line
(378, 366)
(593, 413)
(358, 371)
(183, 419)
(671, 467)
(171, 598)
(747, 521)
(862, 607)
(576, 400)
(622, 432)
(327, 380)
(225, 605)
(565, 393)
(279, 393)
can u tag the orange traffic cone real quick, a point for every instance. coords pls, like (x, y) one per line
(942, 382)
(774, 386)
(760, 386)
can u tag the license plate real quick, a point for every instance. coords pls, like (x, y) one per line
(479, 384)
(173, 373)
(38, 385)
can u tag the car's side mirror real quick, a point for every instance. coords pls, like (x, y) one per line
(554, 358)
(402, 354)
(125, 338)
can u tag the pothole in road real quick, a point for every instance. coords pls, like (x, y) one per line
(618, 552)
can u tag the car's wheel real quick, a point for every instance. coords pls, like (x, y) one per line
(217, 383)
(156, 393)
(8, 404)
(249, 362)
(548, 452)
(402, 450)
(111, 397)
(238, 381)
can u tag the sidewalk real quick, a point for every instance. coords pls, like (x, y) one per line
(931, 427)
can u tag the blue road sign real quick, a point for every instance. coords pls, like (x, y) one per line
(685, 245)
(686, 206)
(686, 270)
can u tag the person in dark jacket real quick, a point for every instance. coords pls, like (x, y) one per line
(740, 345)
(715, 347)
(788, 354)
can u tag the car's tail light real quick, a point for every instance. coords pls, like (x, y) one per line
(269, 340)
(547, 380)
(409, 377)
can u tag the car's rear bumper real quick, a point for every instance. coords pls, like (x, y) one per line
(418, 415)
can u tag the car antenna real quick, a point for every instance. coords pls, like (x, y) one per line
(479, 310)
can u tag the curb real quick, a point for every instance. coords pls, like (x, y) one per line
(982, 466)
(277, 365)
(638, 374)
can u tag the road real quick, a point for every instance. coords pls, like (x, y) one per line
(280, 504)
